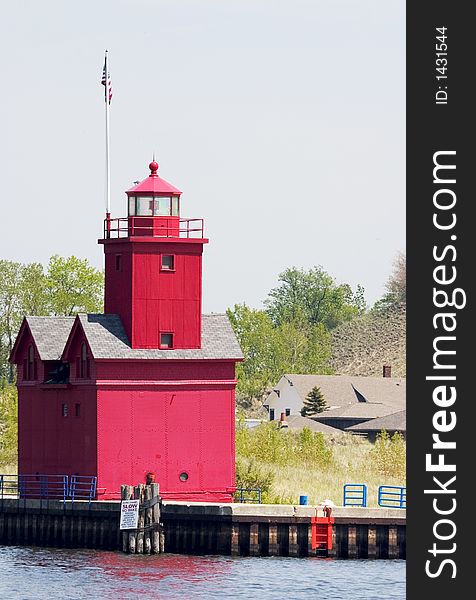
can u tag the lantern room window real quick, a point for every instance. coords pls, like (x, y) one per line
(162, 207)
(145, 207)
(157, 206)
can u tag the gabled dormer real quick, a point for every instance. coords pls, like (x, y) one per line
(78, 354)
(38, 348)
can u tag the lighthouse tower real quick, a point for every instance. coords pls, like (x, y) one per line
(154, 268)
(148, 386)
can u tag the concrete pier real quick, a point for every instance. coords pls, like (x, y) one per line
(205, 528)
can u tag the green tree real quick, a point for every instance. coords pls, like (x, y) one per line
(73, 286)
(313, 297)
(258, 341)
(396, 287)
(10, 310)
(22, 291)
(314, 403)
(70, 285)
(271, 350)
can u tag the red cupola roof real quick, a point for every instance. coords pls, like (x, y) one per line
(153, 184)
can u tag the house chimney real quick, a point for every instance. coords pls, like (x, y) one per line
(387, 371)
(282, 421)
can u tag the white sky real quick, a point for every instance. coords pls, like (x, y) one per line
(282, 122)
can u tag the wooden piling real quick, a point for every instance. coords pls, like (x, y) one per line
(393, 549)
(293, 540)
(139, 495)
(157, 543)
(254, 540)
(273, 548)
(126, 494)
(352, 541)
(235, 539)
(147, 538)
(147, 521)
(372, 542)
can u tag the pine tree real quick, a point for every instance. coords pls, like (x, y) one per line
(314, 403)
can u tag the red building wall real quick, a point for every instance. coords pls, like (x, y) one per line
(168, 431)
(51, 443)
(149, 370)
(151, 300)
(118, 284)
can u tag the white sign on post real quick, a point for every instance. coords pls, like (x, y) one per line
(129, 514)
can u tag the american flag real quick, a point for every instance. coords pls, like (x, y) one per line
(108, 90)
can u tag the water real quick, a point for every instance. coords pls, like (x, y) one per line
(38, 573)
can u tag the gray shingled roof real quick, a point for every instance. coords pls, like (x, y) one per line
(298, 422)
(362, 410)
(338, 390)
(50, 335)
(107, 339)
(394, 422)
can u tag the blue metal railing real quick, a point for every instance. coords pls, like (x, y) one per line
(252, 495)
(355, 494)
(82, 487)
(392, 496)
(48, 487)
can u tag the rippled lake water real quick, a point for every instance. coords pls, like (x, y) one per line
(39, 573)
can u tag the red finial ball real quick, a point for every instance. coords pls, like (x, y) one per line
(153, 166)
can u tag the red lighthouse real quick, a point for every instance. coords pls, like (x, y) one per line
(149, 386)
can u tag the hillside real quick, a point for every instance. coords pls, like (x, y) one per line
(363, 345)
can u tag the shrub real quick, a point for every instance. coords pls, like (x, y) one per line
(313, 448)
(250, 475)
(389, 454)
(269, 444)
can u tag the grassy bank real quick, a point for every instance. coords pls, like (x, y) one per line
(289, 464)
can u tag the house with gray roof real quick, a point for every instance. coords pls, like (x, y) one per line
(350, 400)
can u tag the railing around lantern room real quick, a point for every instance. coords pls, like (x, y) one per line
(125, 227)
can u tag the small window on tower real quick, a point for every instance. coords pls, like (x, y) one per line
(64, 410)
(77, 409)
(118, 262)
(166, 340)
(167, 262)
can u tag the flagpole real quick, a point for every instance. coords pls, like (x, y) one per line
(108, 173)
